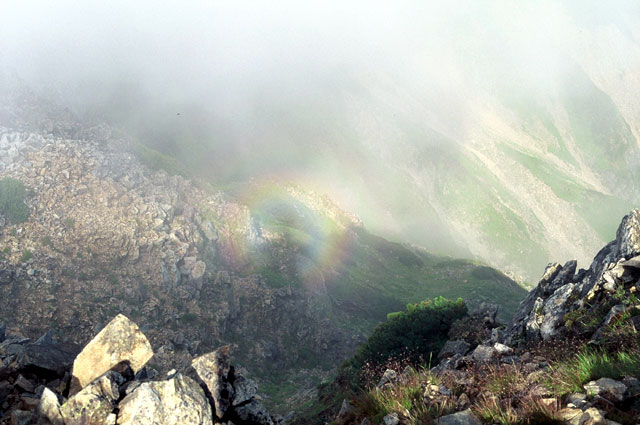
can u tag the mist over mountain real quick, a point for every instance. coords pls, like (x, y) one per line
(462, 127)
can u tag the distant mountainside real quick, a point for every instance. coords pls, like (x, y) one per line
(281, 272)
(464, 155)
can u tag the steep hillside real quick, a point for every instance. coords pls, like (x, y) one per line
(290, 279)
(571, 355)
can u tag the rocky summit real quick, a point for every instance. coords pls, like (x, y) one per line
(111, 383)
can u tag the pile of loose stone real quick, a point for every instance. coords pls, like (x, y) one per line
(109, 384)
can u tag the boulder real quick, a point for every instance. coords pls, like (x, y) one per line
(253, 413)
(346, 410)
(628, 236)
(244, 390)
(179, 400)
(48, 357)
(49, 407)
(451, 348)
(607, 388)
(389, 376)
(466, 417)
(120, 341)
(213, 368)
(95, 402)
(502, 349)
(483, 353)
(391, 419)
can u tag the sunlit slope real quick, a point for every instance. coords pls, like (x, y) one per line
(359, 277)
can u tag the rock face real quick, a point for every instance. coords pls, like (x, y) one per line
(119, 395)
(179, 400)
(564, 298)
(214, 369)
(120, 341)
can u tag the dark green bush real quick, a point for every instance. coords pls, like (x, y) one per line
(12, 194)
(413, 337)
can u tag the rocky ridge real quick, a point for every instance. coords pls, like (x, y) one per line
(110, 235)
(110, 383)
(509, 374)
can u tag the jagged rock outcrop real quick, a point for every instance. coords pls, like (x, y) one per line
(564, 296)
(119, 395)
(120, 341)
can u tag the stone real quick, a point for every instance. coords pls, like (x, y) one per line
(179, 400)
(463, 401)
(254, 413)
(389, 376)
(577, 400)
(483, 353)
(47, 338)
(48, 357)
(95, 402)
(213, 368)
(244, 390)
(49, 407)
(628, 236)
(3, 332)
(22, 417)
(24, 384)
(346, 410)
(451, 348)
(607, 388)
(570, 415)
(466, 417)
(119, 341)
(502, 349)
(592, 416)
(391, 419)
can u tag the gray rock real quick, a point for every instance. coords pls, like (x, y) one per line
(179, 400)
(615, 310)
(451, 348)
(22, 417)
(24, 384)
(49, 407)
(213, 368)
(49, 357)
(254, 413)
(390, 376)
(244, 389)
(628, 236)
(607, 388)
(47, 338)
(465, 417)
(502, 349)
(95, 402)
(577, 400)
(483, 353)
(3, 331)
(120, 341)
(346, 410)
(391, 419)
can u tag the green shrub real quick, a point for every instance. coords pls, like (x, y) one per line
(411, 337)
(12, 195)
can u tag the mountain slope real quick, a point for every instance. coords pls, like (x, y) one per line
(281, 272)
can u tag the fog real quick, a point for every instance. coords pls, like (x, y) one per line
(305, 91)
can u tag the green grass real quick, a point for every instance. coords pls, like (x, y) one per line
(570, 375)
(26, 256)
(12, 196)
